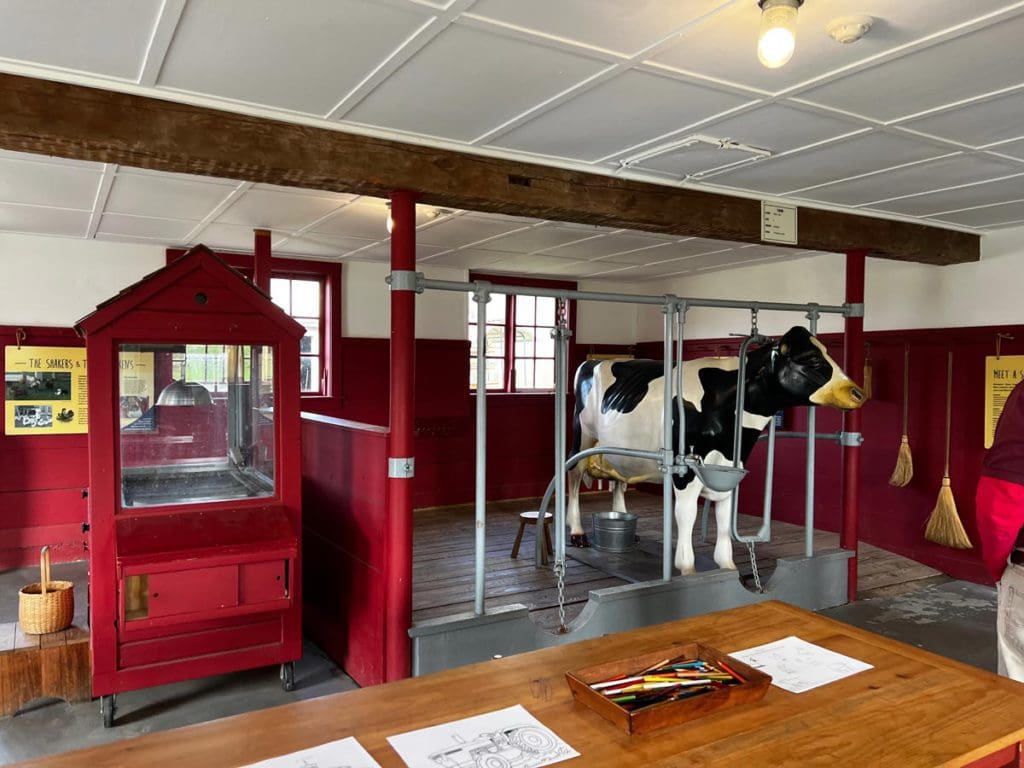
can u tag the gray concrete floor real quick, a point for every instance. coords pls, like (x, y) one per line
(50, 726)
(955, 619)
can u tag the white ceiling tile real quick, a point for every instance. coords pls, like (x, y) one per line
(164, 196)
(604, 245)
(43, 221)
(382, 252)
(108, 38)
(48, 184)
(1011, 148)
(230, 237)
(659, 252)
(725, 45)
(627, 110)
(359, 219)
(144, 226)
(535, 263)
(33, 157)
(838, 160)
(321, 245)
(989, 216)
(467, 82)
(688, 249)
(534, 239)
(978, 123)
(301, 56)
(956, 199)
(626, 26)
(469, 258)
(941, 74)
(914, 179)
(275, 210)
(574, 268)
(463, 230)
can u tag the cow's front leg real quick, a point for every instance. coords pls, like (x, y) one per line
(686, 515)
(618, 496)
(577, 537)
(723, 526)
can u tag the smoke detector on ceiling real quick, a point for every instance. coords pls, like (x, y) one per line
(849, 29)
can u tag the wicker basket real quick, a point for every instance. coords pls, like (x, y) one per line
(48, 606)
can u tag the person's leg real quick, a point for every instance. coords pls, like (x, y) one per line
(1010, 623)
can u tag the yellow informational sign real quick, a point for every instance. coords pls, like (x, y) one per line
(1001, 376)
(44, 391)
(136, 389)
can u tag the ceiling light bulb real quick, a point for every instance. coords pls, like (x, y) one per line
(777, 37)
(390, 223)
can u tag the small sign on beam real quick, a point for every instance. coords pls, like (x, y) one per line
(778, 223)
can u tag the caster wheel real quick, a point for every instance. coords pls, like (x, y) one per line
(288, 676)
(108, 706)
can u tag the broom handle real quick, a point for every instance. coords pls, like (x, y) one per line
(949, 406)
(906, 387)
(44, 568)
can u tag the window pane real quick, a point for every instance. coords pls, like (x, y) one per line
(472, 373)
(495, 374)
(495, 340)
(545, 311)
(309, 372)
(279, 293)
(310, 343)
(471, 332)
(472, 307)
(524, 310)
(545, 374)
(524, 342)
(545, 344)
(496, 309)
(524, 374)
(306, 298)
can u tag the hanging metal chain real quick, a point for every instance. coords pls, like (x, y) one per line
(753, 322)
(560, 573)
(753, 567)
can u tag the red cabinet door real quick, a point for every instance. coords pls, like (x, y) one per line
(262, 582)
(197, 590)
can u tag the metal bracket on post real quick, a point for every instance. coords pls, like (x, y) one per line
(405, 280)
(402, 467)
(851, 439)
(855, 309)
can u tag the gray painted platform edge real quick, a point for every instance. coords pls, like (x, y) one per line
(443, 643)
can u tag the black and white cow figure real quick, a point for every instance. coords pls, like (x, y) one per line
(619, 403)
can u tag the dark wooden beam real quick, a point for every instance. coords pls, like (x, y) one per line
(82, 123)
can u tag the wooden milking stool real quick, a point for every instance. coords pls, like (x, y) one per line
(530, 518)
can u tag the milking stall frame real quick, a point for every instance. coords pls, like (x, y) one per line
(358, 481)
(812, 581)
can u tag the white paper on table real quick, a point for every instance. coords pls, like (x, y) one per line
(344, 753)
(514, 735)
(797, 666)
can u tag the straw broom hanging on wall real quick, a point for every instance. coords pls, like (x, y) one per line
(944, 526)
(904, 471)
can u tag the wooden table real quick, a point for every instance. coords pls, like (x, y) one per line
(913, 709)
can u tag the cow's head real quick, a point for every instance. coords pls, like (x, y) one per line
(804, 370)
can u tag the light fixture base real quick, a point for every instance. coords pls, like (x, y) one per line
(796, 3)
(849, 29)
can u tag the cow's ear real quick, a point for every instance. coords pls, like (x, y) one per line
(783, 348)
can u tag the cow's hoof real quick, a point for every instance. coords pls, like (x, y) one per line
(579, 540)
(687, 571)
(727, 566)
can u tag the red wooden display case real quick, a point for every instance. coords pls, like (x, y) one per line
(195, 496)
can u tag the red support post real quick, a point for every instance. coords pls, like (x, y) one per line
(398, 563)
(853, 364)
(261, 266)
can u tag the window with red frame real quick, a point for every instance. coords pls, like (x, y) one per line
(520, 351)
(302, 298)
(309, 291)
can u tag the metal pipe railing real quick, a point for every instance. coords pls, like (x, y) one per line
(812, 421)
(668, 455)
(737, 441)
(561, 335)
(481, 297)
(846, 310)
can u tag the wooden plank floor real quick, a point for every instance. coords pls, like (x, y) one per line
(443, 558)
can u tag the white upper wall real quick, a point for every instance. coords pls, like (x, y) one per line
(898, 294)
(56, 281)
(365, 305)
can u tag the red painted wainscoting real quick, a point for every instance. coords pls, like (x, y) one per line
(42, 479)
(520, 427)
(892, 518)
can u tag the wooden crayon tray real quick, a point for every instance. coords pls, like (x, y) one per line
(663, 714)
